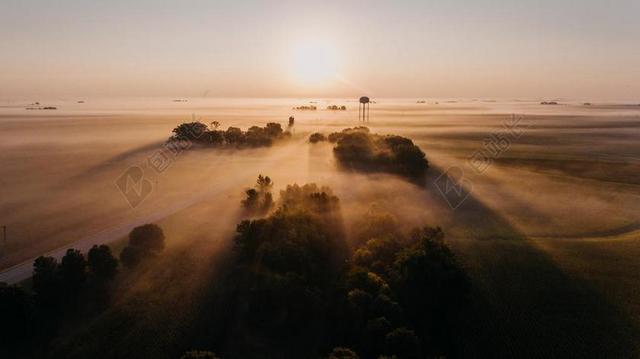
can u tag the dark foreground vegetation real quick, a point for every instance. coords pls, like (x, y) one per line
(65, 291)
(298, 289)
(295, 286)
(358, 149)
(197, 133)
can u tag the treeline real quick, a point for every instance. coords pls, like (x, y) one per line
(61, 289)
(233, 137)
(297, 289)
(358, 149)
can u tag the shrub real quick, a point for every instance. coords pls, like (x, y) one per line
(357, 149)
(317, 137)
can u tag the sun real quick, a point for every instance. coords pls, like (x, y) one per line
(314, 63)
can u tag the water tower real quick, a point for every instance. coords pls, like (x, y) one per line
(363, 109)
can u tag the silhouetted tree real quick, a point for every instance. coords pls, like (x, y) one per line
(317, 137)
(234, 135)
(46, 283)
(102, 264)
(216, 138)
(148, 237)
(273, 130)
(131, 256)
(251, 200)
(404, 343)
(259, 199)
(431, 286)
(373, 336)
(358, 149)
(16, 312)
(198, 133)
(191, 131)
(343, 353)
(73, 270)
(198, 354)
(144, 241)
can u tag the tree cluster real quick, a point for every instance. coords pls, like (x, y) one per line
(259, 200)
(56, 289)
(297, 289)
(280, 286)
(146, 241)
(200, 134)
(358, 149)
(402, 293)
(317, 137)
(306, 108)
(75, 285)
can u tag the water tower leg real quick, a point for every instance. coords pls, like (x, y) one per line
(368, 112)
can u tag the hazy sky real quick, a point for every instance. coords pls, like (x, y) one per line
(411, 48)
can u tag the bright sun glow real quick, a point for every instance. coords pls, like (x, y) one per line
(314, 63)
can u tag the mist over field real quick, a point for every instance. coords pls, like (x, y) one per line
(546, 228)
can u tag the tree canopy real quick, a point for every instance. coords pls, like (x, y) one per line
(144, 241)
(358, 149)
(200, 134)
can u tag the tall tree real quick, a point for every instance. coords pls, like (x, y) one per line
(102, 264)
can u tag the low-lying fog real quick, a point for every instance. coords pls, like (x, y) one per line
(571, 172)
(550, 214)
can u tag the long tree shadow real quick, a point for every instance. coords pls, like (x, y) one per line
(125, 157)
(522, 304)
